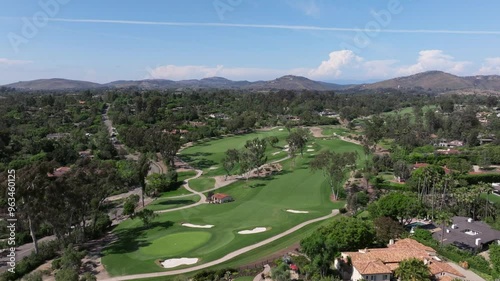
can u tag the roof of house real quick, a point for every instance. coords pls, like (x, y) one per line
(220, 196)
(420, 165)
(386, 260)
(59, 172)
(459, 237)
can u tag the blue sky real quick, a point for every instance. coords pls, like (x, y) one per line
(329, 40)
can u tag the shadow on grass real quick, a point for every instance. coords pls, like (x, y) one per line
(176, 202)
(130, 240)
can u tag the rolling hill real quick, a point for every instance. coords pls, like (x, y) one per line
(53, 84)
(430, 81)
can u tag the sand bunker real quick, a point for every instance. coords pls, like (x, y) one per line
(298, 212)
(310, 146)
(171, 263)
(213, 168)
(281, 129)
(276, 153)
(253, 231)
(310, 150)
(196, 226)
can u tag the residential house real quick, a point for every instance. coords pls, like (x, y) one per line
(59, 172)
(447, 151)
(380, 264)
(468, 234)
(57, 136)
(456, 143)
(220, 198)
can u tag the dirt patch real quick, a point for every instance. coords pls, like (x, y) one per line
(317, 132)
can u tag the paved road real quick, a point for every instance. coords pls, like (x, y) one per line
(226, 257)
(469, 275)
(23, 251)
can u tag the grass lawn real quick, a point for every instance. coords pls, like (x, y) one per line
(492, 197)
(182, 176)
(258, 203)
(178, 192)
(166, 203)
(248, 278)
(201, 184)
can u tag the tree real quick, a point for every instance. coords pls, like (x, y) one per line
(335, 166)
(230, 161)
(71, 258)
(143, 167)
(281, 273)
(344, 234)
(32, 182)
(161, 183)
(387, 229)
(255, 155)
(272, 140)
(130, 204)
(146, 216)
(297, 140)
(350, 234)
(413, 270)
(67, 274)
(402, 170)
(402, 207)
(87, 276)
(443, 219)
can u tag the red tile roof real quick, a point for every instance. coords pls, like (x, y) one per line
(220, 196)
(386, 260)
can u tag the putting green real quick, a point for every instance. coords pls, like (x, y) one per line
(176, 244)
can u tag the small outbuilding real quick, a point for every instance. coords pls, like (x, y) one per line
(220, 198)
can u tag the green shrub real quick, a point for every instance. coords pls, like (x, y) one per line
(56, 264)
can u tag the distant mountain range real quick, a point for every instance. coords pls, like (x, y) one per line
(433, 81)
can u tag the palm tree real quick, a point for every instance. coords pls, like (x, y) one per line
(412, 270)
(444, 219)
(143, 166)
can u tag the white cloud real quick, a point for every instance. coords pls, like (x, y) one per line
(337, 61)
(5, 61)
(490, 66)
(174, 72)
(340, 65)
(434, 60)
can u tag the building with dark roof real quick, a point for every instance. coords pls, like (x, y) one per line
(468, 234)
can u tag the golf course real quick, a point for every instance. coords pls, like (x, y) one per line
(259, 203)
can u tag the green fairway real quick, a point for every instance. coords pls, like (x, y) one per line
(176, 244)
(260, 202)
(202, 184)
(182, 176)
(166, 203)
(208, 156)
